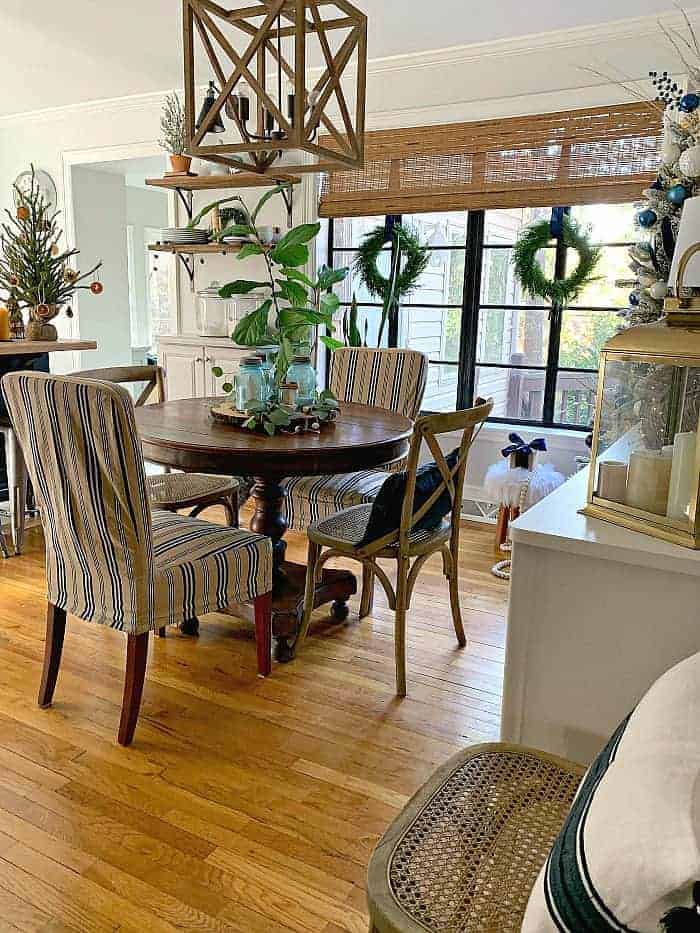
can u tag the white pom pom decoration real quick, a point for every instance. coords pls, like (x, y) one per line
(658, 290)
(689, 162)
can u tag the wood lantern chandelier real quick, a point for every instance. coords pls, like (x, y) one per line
(265, 109)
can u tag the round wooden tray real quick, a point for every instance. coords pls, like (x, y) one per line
(225, 413)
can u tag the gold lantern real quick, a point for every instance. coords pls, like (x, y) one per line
(645, 458)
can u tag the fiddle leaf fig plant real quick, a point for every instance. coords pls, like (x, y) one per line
(295, 306)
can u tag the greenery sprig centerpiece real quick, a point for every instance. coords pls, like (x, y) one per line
(409, 260)
(530, 273)
(288, 318)
(34, 271)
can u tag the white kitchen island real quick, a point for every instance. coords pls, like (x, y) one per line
(596, 614)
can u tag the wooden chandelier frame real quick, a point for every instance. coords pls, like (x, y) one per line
(304, 17)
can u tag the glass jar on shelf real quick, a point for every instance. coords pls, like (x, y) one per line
(249, 383)
(304, 375)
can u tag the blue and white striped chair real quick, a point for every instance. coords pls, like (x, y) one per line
(109, 558)
(385, 378)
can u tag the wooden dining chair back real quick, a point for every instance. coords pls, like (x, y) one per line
(150, 380)
(343, 532)
(110, 559)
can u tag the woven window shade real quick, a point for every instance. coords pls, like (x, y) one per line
(602, 154)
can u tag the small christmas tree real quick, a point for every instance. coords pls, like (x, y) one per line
(34, 272)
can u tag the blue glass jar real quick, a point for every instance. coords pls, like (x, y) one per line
(269, 386)
(304, 375)
(249, 382)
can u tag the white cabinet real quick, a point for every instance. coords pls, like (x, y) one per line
(188, 365)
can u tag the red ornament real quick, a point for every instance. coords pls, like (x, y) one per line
(23, 212)
(96, 288)
(14, 280)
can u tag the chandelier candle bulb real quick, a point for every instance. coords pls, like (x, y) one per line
(5, 333)
(682, 474)
(648, 481)
(612, 480)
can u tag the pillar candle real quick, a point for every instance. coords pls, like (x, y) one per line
(5, 324)
(682, 474)
(612, 480)
(648, 479)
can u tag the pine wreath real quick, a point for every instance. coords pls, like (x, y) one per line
(417, 259)
(530, 273)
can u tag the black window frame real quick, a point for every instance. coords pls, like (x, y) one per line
(467, 362)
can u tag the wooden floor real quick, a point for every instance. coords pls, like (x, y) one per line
(244, 804)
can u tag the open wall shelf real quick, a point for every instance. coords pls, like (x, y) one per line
(211, 182)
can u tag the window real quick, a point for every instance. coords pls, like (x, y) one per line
(482, 334)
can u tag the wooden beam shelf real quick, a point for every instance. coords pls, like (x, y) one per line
(210, 182)
(195, 248)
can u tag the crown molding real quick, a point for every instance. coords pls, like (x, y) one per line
(576, 38)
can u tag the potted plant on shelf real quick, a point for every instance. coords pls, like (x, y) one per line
(174, 139)
(34, 271)
(289, 316)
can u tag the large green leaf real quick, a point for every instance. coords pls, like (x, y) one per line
(279, 417)
(265, 198)
(295, 255)
(328, 277)
(329, 303)
(252, 329)
(240, 287)
(210, 207)
(298, 277)
(301, 234)
(235, 230)
(294, 293)
(250, 249)
(331, 342)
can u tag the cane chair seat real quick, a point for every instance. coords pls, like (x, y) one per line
(465, 852)
(182, 490)
(344, 531)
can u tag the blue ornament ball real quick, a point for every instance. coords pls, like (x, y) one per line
(647, 218)
(634, 299)
(677, 194)
(689, 103)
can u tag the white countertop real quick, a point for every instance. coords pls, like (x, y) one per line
(556, 524)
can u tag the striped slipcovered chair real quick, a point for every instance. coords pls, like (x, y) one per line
(391, 379)
(109, 558)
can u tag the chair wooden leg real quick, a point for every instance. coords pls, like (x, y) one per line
(53, 647)
(309, 592)
(263, 633)
(453, 581)
(400, 626)
(232, 507)
(367, 598)
(136, 656)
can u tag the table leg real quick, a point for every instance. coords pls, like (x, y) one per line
(336, 586)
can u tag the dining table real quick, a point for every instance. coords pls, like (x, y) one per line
(183, 435)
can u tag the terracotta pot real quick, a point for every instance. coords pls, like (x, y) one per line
(181, 163)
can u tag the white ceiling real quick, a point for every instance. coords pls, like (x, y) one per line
(57, 53)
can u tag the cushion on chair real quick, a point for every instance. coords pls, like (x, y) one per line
(311, 498)
(388, 502)
(201, 567)
(350, 527)
(629, 850)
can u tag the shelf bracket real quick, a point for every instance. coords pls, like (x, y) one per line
(188, 263)
(288, 196)
(186, 200)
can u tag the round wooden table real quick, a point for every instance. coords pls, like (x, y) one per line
(183, 435)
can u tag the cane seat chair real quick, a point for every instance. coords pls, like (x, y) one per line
(172, 491)
(409, 546)
(465, 853)
(110, 559)
(383, 378)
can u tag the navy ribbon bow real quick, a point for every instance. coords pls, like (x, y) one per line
(519, 446)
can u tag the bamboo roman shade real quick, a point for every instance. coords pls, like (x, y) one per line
(602, 154)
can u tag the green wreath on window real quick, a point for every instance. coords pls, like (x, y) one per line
(406, 278)
(530, 273)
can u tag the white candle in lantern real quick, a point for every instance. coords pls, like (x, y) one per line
(648, 479)
(612, 480)
(682, 474)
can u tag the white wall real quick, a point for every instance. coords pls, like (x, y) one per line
(145, 208)
(100, 233)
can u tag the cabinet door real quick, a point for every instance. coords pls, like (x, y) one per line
(184, 371)
(228, 359)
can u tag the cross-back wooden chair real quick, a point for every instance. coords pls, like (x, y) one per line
(172, 491)
(408, 545)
